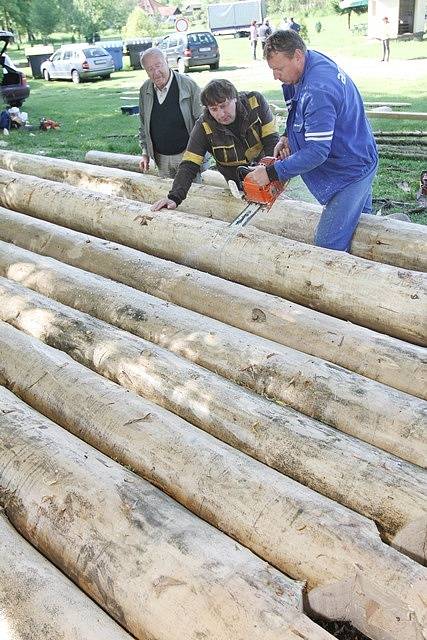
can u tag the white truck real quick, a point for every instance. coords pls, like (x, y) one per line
(235, 17)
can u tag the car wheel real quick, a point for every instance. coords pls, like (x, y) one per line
(46, 75)
(182, 67)
(214, 66)
(107, 77)
(75, 77)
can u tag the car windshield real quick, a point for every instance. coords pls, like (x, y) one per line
(95, 52)
(200, 38)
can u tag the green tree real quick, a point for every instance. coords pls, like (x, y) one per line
(45, 16)
(15, 16)
(140, 23)
(358, 10)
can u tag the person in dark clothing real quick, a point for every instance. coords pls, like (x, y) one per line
(294, 26)
(236, 128)
(169, 105)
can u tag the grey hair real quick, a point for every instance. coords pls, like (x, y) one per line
(152, 51)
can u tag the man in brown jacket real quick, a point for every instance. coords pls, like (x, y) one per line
(236, 128)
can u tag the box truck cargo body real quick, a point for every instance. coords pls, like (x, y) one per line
(235, 17)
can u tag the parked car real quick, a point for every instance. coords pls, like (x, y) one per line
(13, 87)
(78, 62)
(186, 50)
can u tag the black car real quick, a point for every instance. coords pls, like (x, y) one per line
(13, 88)
(186, 50)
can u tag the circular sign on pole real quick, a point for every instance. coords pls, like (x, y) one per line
(181, 25)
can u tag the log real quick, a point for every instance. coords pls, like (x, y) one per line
(387, 360)
(332, 282)
(169, 381)
(389, 241)
(37, 601)
(71, 501)
(156, 568)
(358, 476)
(353, 404)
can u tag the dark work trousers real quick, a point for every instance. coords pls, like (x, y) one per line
(386, 50)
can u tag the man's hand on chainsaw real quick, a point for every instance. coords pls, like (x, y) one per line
(259, 175)
(164, 203)
(282, 149)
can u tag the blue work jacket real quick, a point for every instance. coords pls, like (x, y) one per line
(331, 140)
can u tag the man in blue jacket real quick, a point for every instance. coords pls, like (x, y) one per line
(328, 140)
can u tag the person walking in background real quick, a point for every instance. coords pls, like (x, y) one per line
(285, 24)
(264, 31)
(385, 39)
(169, 105)
(253, 37)
(294, 26)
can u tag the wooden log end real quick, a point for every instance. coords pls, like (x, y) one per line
(412, 540)
(369, 608)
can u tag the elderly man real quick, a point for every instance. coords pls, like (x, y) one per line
(236, 128)
(169, 105)
(328, 139)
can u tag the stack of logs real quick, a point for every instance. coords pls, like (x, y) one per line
(206, 434)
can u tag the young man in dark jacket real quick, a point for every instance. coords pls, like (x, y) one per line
(328, 140)
(236, 128)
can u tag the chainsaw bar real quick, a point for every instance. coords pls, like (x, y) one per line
(246, 215)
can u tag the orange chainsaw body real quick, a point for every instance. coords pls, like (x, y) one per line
(262, 195)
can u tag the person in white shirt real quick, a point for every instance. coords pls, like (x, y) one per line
(169, 105)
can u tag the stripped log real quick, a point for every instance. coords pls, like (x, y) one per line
(188, 390)
(161, 448)
(72, 501)
(335, 396)
(37, 601)
(333, 282)
(156, 568)
(390, 241)
(387, 360)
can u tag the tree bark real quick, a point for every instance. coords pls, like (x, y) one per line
(332, 282)
(351, 403)
(158, 570)
(37, 601)
(161, 447)
(176, 575)
(390, 241)
(393, 362)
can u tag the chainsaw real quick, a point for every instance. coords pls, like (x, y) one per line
(258, 198)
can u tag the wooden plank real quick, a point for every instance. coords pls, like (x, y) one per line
(397, 115)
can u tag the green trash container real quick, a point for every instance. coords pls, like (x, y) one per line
(134, 48)
(36, 56)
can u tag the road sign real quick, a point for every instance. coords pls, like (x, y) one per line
(181, 25)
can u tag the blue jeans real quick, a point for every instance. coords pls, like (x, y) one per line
(341, 214)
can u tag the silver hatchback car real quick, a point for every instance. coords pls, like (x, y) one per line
(78, 62)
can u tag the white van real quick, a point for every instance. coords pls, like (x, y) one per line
(78, 62)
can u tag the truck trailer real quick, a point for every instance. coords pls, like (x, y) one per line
(235, 17)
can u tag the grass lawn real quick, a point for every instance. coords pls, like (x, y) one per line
(90, 114)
